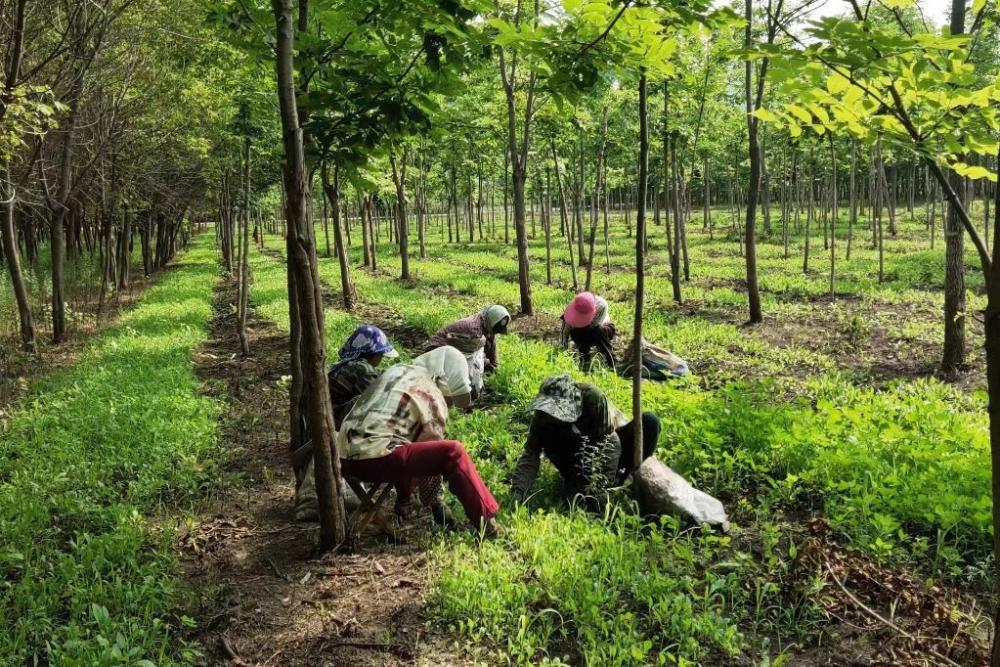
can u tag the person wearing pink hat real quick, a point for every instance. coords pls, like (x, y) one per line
(586, 322)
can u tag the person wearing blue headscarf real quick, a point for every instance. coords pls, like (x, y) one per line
(357, 368)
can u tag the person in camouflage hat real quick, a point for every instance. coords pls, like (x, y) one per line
(583, 434)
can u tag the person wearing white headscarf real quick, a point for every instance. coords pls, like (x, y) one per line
(475, 337)
(396, 433)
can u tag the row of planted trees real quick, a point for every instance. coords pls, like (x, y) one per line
(108, 124)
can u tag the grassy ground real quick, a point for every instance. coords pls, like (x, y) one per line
(829, 410)
(92, 452)
(851, 473)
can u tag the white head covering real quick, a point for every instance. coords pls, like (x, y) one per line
(601, 316)
(449, 369)
(494, 315)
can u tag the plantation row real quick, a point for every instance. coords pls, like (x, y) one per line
(88, 462)
(897, 472)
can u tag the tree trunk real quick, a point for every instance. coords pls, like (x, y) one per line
(597, 195)
(519, 169)
(756, 316)
(506, 197)
(833, 220)
(852, 196)
(365, 241)
(421, 205)
(244, 282)
(675, 256)
(562, 211)
(706, 200)
(402, 226)
(326, 227)
(685, 214)
(332, 190)
(302, 266)
(640, 274)
(13, 261)
(579, 197)
(59, 216)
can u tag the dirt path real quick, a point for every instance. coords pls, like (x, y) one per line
(267, 597)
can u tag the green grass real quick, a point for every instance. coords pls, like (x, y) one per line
(93, 452)
(777, 426)
(773, 422)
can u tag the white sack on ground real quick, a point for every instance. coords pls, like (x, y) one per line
(663, 491)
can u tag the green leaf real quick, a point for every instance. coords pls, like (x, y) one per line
(973, 172)
(767, 116)
(799, 113)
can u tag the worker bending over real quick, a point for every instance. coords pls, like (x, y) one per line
(475, 338)
(589, 441)
(587, 323)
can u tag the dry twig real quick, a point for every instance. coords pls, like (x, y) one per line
(878, 617)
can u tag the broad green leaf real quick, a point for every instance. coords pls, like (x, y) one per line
(836, 83)
(799, 112)
(767, 116)
(974, 172)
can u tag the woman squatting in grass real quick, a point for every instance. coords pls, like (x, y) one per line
(587, 323)
(475, 337)
(589, 441)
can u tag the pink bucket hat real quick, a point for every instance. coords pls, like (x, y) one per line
(581, 310)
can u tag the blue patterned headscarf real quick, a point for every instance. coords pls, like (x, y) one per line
(367, 340)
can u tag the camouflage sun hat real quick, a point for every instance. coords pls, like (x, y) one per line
(560, 398)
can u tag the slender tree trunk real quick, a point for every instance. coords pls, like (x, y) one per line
(59, 216)
(640, 273)
(547, 225)
(365, 240)
(833, 220)
(302, 267)
(563, 213)
(371, 232)
(879, 235)
(332, 190)
(598, 171)
(756, 315)
(685, 214)
(506, 211)
(402, 226)
(579, 197)
(421, 205)
(244, 283)
(607, 204)
(852, 195)
(809, 213)
(675, 256)
(519, 168)
(13, 262)
(706, 200)
(326, 226)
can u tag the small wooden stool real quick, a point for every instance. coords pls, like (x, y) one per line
(371, 502)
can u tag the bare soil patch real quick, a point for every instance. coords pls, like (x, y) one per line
(266, 596)
(883, 616)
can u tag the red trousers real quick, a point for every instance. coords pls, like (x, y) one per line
(445, 458)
